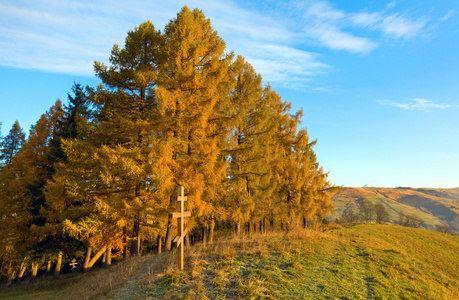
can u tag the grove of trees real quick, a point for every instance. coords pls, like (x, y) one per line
(94, 178)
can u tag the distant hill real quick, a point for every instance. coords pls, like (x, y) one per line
(433, 206)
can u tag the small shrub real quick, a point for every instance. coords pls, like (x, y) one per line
(444, 228)
(350, 216)
(409, 220)
(382, 215)
(367, 210)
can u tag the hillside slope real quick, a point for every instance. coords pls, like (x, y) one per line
(357, 262)
(433, 206)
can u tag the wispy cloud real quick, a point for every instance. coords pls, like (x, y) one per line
(400, 26)
(266, 43)
(67, 36)
(324, 25)
(334, 38)
(391, 4)
(416, 104)
(448, 15)
(64, 37)
(284, 64)
(332, 28)
(394, 25)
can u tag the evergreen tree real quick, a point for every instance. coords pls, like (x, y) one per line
(72, 125)
(173, 109)
(23, 181)
(248, 149)
(120, 161)
(11, 143)
(193, 89)
(76, 116)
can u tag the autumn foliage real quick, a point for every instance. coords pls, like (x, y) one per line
(95, 177)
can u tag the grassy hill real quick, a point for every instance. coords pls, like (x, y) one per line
(356, 262)
(433, 206)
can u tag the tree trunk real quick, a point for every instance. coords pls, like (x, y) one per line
(204, 235)
(104, 258)
(124, 243)
(48, 266)
(135, 246)
(188, 240)
(33, 273)
(57, 269)
(159, 244)
(141, 241)
(12, 276)
(87, 259)
(238, 228)
(211, 231)
(108, 262)
(168, 241)
(96, 257)
(22, 270)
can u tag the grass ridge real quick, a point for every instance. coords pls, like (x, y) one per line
(364, 261)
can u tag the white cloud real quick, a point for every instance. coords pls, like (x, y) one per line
(391, 4)
(334, 28)
(416, 104)
(67, 36)
(394, 25)
(365, 19)
(284, 64)
(323, 11)
(63, 37)
(399, 26)
(448, 15)
(266, 43)
(324, 25)
(334, 38)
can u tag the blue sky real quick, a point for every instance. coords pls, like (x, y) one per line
(378, 80)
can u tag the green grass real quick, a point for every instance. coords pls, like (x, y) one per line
(360, 262)
(357, 262)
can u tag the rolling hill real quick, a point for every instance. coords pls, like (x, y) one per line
(433, 206)
(365, 261)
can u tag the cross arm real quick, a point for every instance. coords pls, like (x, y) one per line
(179, 239)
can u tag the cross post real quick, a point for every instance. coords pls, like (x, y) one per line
(181, 231)
(73, 263)
(180, 226)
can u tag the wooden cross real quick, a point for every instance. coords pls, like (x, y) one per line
(73, 264)
(181, 231)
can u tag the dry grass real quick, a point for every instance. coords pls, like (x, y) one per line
(356, 262)
(95, 284)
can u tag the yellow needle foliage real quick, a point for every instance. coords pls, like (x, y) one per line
(174, 108)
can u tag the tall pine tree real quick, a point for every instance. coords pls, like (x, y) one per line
(124, 163)
(193, 89)
(11, 143)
